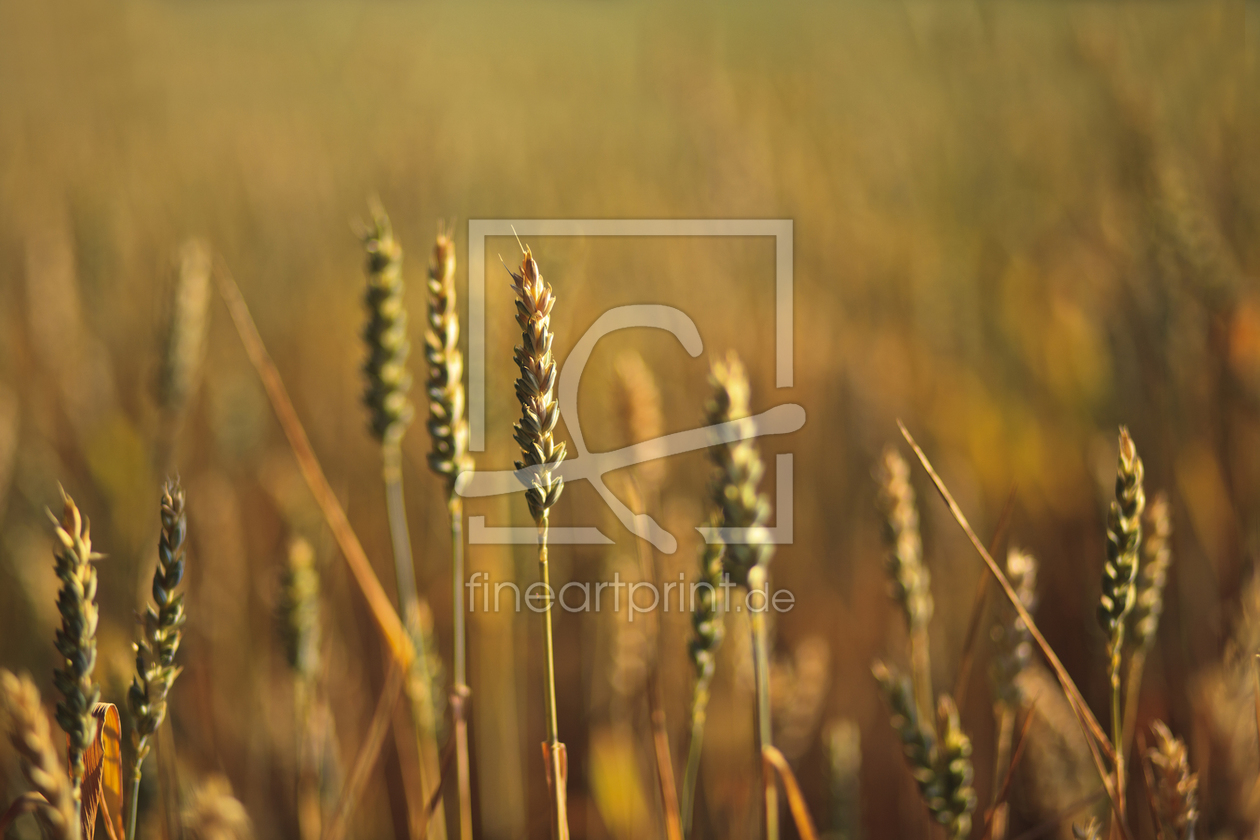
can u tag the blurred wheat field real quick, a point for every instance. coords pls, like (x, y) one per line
(1016, 227)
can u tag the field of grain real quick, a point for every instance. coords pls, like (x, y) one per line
(1016, 228)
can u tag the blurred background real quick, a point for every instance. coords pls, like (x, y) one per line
(1017, 225)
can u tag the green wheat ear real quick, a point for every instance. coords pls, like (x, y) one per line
(162, 629)
(76, 640)
(385, 369)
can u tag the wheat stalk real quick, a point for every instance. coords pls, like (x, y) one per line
(76, 640)
(1176, 793)
(1119, 589)
(535, 433)
(388, 382)
(29, 734)
(161, 632)
(909, 579)
(449, 457)
(708, 629)
(738, 471)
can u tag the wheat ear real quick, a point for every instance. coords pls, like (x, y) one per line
(909, 579)
(738, 471)
(300, 633)
(161, 632)
(535, 433)
(1090, 830)
(388, 382)
(29, 734)
(708, 629)
(1119, 583)
(76, 640)
(942, 768)
(957, 798)
(1176, 792)
(1148, 605)
(449, 457)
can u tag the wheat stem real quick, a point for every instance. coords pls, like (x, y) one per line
(757, 582)
(460, 692)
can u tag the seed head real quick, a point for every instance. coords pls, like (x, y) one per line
(957, 799)
(1124, 536)
(706, 618)
(1012, 643)
(299, 610)
(638, 404)
(910, 581)
(161, 629)
(738, 470)
(1157, 551)
(76, 640)
(385, 334)
(1176, 788)
(31, 740)
(448, 427)
(536, 388)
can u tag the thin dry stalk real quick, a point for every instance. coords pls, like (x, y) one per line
(76, 640)
(535, 433)
(1094, 735)
(776, 763)
(449, 457)
(52, 799)
(369, 751)
(161, 632)
(351, 549)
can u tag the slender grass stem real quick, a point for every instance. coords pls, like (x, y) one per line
(1117, 727)
(419, 696)
(699, 713)
(460, 692)
(556, 770)
(757, 582)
